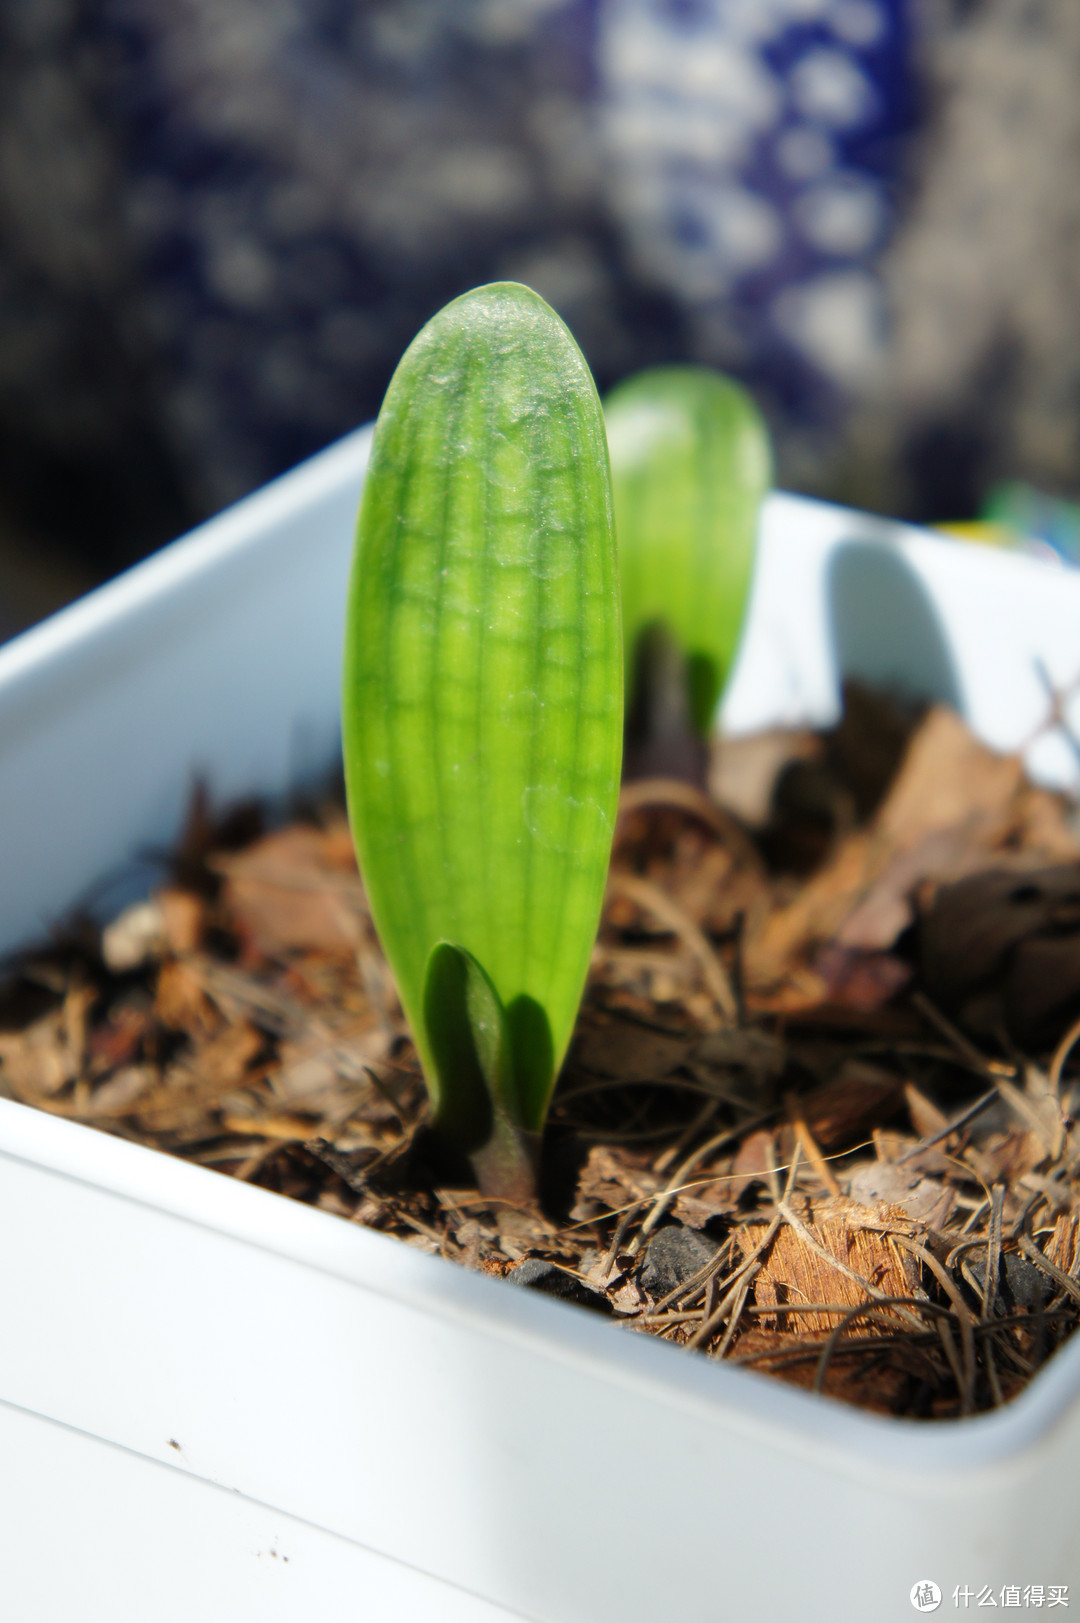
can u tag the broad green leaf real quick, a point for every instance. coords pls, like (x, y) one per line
(482, 705)
(690, 463)
(469, 1035)
(470, 1042)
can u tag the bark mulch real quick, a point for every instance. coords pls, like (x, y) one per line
(819, 1113)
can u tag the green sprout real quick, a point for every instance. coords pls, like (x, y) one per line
(690, 464)
(482, 710)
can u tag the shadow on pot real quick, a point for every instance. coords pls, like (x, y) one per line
(884, 628)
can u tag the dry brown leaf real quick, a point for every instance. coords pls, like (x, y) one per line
(844, 1110)
(222, 1060)
(182, 919)
(286, 1100)
(610, 1180)
(887, 908)
(951, 804)
(328, 1077)
(121, 1093)
(1005, 946)
(926, 1118)
(117, 1040)
(947, 779)
(170, 921)
(708, 884)
(1005, 1157)
(38, 1062)
(521, 1232)
(200, 1082)
(698, 1206)
(630, 1053)
(755, 1157)
(747, 1047)
(288, 893)
(337, 841)
(815, 914)
(890, 1185)
(181, 1004)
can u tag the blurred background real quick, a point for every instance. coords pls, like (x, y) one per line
(221, 221)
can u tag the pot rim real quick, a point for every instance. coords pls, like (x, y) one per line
(855, 1441)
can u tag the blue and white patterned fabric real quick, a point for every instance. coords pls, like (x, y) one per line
(755, 149)
(221, 221)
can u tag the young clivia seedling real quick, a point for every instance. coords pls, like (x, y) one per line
(483, 705)
(690, 464)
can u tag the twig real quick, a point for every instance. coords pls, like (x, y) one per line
(772, 1170)
(644, 894)
(1057, 716)
(616, 1241)
(858, 1312)
(257, 1159)
(688, 1135)
(695, 1282)
(383, 1090)
(660, 1321)
(950, 1127)
(684, 797)
(1022, 1107)
(810, 1146)
(967, 1050)
(993, 1251)
(738, 963)
(974, 1216)
(996, 1393)
(678, 1179)
(963, 1314)
(964, 1245)
(768, 1309)
(1061, 1054)
(733, 1322)
(749, 1262)
(709, 1326)
(812, 1349)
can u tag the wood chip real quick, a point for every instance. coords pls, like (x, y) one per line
(850, 1233)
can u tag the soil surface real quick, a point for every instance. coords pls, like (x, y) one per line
(818, 1115)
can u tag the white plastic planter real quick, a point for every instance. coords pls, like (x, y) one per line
(219, 1404)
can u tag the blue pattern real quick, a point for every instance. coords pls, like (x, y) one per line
(289, 188)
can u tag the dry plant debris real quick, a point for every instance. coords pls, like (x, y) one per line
(819, 1114)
